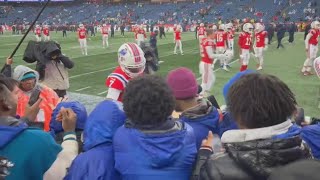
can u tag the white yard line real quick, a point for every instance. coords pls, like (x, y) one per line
(93, 72)
(199, 78)
(81, 89)
(104, 92)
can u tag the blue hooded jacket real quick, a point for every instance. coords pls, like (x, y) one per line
(311, 135)
(25, 148)
(157, 156)
(77, 107)
(97, 162)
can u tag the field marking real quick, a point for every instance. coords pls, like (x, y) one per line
(93, 72)
(83, 88)
(104, 92)
(199, 78)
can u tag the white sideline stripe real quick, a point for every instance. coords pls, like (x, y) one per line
(92, 72)
(199, 78)
(103, 92)
(83, 88)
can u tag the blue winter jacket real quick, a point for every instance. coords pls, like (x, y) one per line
(97, 162)
(311, 135)
(142, 155)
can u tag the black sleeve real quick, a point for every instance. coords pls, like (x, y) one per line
(66, 62)
(213, 101)
(203, 155)
(6, 70)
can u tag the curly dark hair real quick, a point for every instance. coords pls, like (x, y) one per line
(260, 100)
(148, 100)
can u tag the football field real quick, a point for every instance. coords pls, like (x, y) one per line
(89, 74)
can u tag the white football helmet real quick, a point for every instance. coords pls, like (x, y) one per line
(229, 26)
(131, 59)
(104, 25)
(259, 27)
(315, 25)
(37, 26)
(248, 27)
(201, 24)
(214, 27)
(221, 27)
(81, 26)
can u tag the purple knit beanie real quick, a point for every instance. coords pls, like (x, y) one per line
(183, 83)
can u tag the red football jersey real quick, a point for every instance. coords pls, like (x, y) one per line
(206, 42)
(201, 31)
(260, 38)
(230, 35)
(46, 31)
(118, 80)
(38, 31)
(82, 33)
(142, 31)
(105, 30)
(245, 40)
(221, 38)
(177, 35)
(314, 38)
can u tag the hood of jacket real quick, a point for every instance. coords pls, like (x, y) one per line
(9, 133)
(102, 123)
(260, 157)
(77, 107)
(21, 70)
(51, 47)
(233, 80)
(164, 148)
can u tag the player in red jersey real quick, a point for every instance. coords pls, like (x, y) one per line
(260, 43)
(82, 35)
(221, 40)
(37, 32)
(177, 38)
(208, 60)
(245, 44)
(141, 35)
(311, 43)
(105, 35)
(46, 33)
(201, 32)
(131, 64)
(230, 34)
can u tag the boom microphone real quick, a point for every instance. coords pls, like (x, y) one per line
(25, 35)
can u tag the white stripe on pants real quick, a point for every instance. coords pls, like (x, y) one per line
(105, 41)
(83, 46)
(178, 44)
(208, 77)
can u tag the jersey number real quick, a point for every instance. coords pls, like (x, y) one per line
(248, 41)
(220, 38)
(258, 39)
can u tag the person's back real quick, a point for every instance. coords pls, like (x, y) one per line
(31, 150)
(98, 160)
(151, 145)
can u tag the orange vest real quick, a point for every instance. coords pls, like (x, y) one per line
(49, 101)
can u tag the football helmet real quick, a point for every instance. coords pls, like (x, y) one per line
(37, 26)
(315, 25)
(229, 26)
(248, 27)
(104, 25)
(131, 59)
(259, 27)
(201, 24)
(214, 27)
(221, 27)
(81, 26)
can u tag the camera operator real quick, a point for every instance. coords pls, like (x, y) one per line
(56, 74)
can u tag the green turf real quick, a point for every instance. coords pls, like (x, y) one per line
(92, 70)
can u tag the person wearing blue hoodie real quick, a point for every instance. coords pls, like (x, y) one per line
(199, 113)
(34, 153)
(97, 162)
(151, 145)
(56, 129)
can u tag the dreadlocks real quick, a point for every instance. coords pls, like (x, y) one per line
(258, 100)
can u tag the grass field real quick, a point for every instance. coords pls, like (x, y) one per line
(88, 76)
